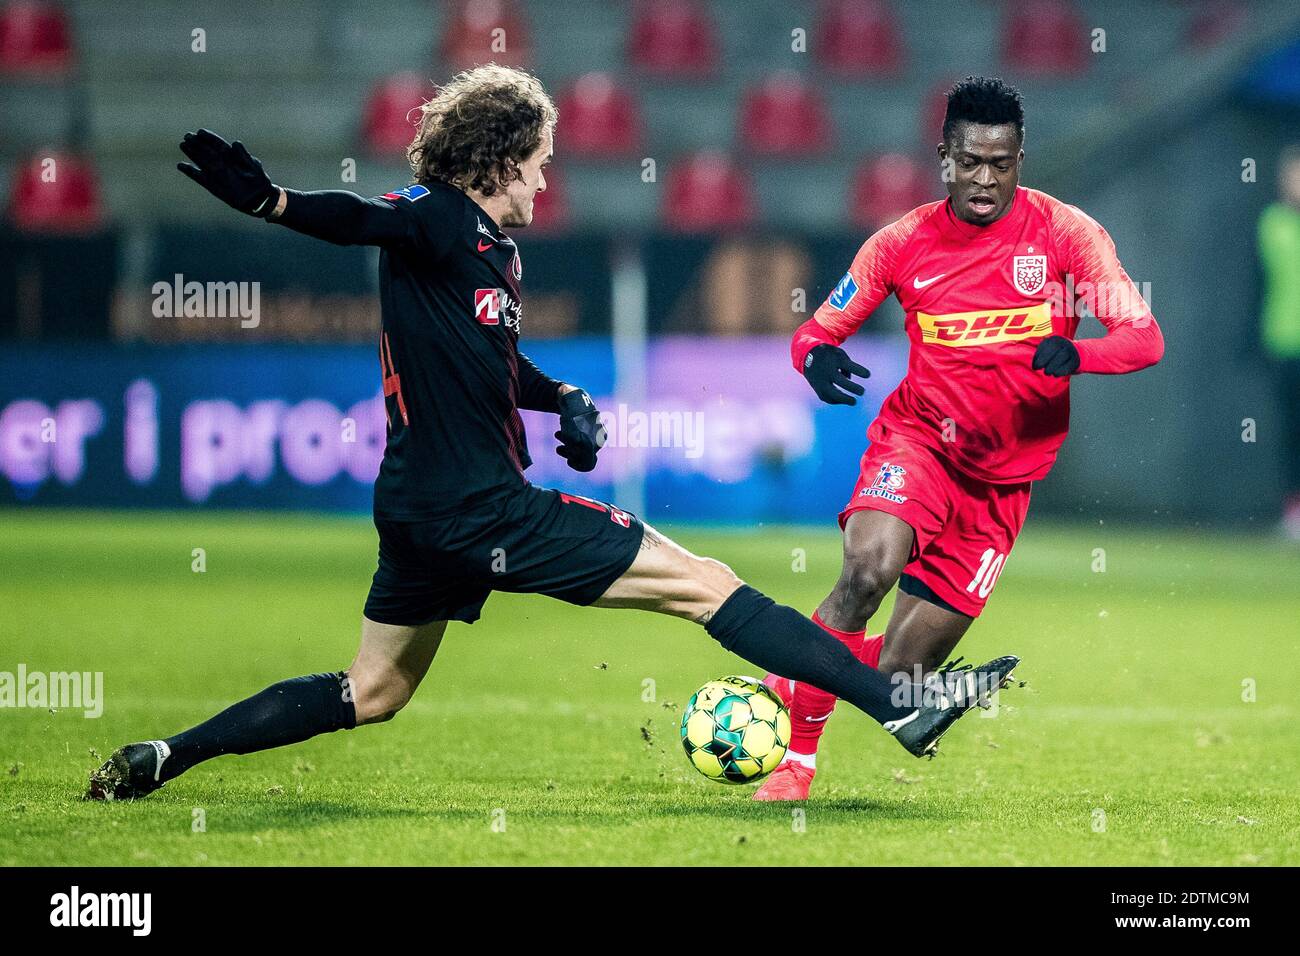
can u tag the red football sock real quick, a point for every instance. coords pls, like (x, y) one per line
(812, 707)
(869, 653)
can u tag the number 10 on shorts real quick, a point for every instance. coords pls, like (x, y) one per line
(990, 567)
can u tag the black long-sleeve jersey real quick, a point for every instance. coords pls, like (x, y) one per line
(453, 376)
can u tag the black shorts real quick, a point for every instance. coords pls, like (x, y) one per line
(533, 541)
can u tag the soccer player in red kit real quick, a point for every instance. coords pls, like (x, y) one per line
(990, 280)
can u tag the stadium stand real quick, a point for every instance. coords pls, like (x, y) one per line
(601, 117)
(708, 191)
(886, 187)
(860, 39)
(785, 116)
(1044, 38)
(391, 114)
(56, 193)
(35, 37)
(483, 30)
(676, 39)
(634, 80)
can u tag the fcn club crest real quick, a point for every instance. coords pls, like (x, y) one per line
(1029, 274)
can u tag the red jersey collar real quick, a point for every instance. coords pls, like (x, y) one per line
(1015, 215)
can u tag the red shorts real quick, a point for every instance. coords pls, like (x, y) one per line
(964, 527)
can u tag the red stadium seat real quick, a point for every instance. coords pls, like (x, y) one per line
(859, 38)
(485, 31)
(551, 208)
(708, 191)
(888, 187)
(391, 114)
(1045, 38)
(674, 38)
(34, 38)
(1213, 24)
(600, 117)
(933, 111)
(784, 116)
(56, 193)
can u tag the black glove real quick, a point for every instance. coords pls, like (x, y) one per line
(827, 369)
(1056, 355)
(581, 434)
(229, 173)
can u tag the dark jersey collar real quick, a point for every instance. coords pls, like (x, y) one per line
(479, 211)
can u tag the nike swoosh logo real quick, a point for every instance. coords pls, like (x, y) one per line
(918, 284)
(817, 720)
(484, 248)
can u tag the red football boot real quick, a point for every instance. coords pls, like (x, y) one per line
(789, 781)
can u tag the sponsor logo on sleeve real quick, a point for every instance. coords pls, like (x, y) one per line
(843, 293)
(410, 192)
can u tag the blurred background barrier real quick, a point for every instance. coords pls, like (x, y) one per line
(717, 164)
(726, 430)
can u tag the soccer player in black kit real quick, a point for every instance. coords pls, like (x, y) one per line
(456, 517)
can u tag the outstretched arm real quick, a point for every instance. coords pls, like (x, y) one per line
(344, 218)
(236, 178)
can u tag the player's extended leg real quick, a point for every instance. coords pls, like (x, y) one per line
(667, 578)
(919, 637)
(877, 547)
(390, 663)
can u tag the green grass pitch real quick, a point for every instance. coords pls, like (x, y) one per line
(548, 734)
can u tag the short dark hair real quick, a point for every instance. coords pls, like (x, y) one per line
(984, 100)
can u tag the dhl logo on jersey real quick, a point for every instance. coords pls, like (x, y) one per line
(985, 326)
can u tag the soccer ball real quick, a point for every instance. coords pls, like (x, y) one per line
(735, 730)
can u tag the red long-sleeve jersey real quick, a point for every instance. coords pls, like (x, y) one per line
(978, 301)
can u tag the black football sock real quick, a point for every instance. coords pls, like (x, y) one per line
(289, 712)
(779, 638)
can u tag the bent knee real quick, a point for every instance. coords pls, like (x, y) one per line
(719, 580)
(868, 578)
(378, 696)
